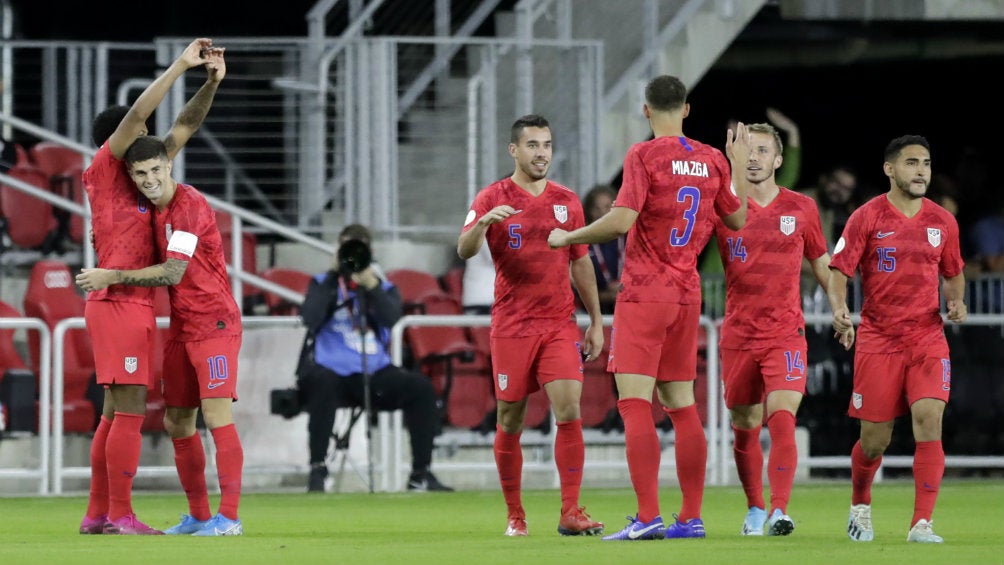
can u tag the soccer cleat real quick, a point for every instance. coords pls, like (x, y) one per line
(93, 525)
(576, 522)
(318, 474)
(859, 523)
(426, 482)
(220, 525)
(753, 524)
(638, 530)
(692, 528)
(188, 525)
(780, 524)
(129, 525)
(516, 527)
(921, 532)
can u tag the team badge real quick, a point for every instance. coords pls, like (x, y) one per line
(168, 232)
(131, 364)
(503, 381)
(787, 225)
(857, 401)
(561, 213)
(934, 236)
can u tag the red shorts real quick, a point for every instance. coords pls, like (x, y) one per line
(194, 370)
(749, 375)
(655, 339)
(522, 365)
(887, 384)
(122, 339)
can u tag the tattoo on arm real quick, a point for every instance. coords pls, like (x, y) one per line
(195, 111)
(167, 273)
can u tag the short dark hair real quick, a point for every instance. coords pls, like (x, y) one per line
(589, 200)
(105, 124)
(527, 121)
(145, 147)
(665, 93)
(895, 146)
(355, 231)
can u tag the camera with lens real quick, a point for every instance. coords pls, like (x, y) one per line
(354, 255)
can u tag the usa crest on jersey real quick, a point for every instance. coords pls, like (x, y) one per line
(787, 225)
(934, 236)
(131, 364)
(561, 213)
(503, 381)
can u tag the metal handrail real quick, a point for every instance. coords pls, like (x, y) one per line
(44, 401)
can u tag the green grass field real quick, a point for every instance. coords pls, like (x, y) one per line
(466, 528)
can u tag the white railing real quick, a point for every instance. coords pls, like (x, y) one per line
(41, 472)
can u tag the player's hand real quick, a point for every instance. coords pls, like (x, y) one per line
(780, 121)
(957, 311)
(842, 320)
(497, 214)
(193, 55)
(737, 144)
(557, 238)
(845, 338)
(95, 279)
(215, 64)
(593, 344)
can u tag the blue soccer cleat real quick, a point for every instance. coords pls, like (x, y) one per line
(187, 525)
(220, 525)
(692, 528)
(754, 522)
(780, 524)
(638, 530)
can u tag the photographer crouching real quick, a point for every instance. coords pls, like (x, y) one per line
(332, 362)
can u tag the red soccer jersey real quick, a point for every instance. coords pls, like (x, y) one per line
(763, 267)
(673, 183)
(122, 224)
(900, 260)
(533, 290)
(202, 304)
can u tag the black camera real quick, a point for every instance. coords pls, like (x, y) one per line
(285, 402)
(353, 256)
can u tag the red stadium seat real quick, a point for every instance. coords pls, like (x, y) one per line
(292, 279)
(414, 286)
(51, 296)
(453, 283)
(70, 184)
(55, 159)
(30, 221)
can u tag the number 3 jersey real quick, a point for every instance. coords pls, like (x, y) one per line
(900, 260)
(533, 292)
(675, 184)
(763, 267)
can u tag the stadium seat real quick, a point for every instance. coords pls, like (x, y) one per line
(453, 283)
(54, 159)
(51, 296)
(292, 279)
(30, 221)
(70, 184)
(414, 286)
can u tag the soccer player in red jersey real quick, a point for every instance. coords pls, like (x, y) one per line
(535, 341)
(672, 185)
(905, 246)
(120, 320)
(200, 356)
(762, 344)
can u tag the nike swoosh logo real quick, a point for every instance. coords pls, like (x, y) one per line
(211, 386)
(883, 235)
(791, 378)
(635, 534)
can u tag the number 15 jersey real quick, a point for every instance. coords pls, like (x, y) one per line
(674, 183)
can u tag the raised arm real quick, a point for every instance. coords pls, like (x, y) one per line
(133, 124)
(194, 112)
(737, 149)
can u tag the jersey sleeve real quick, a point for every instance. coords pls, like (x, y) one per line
(102, 170)
(851, 245)
(815, 243)
(483, 203)
(578, 219)
(951, 263)
(190, 222)
(634, 186)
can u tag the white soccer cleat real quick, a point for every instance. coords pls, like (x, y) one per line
(922, 532)
(859, 523)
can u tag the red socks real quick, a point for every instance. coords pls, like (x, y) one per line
(229, 467)
(643, 454)
(122, 455)
(569, 456)
(691, 458)
(97, 504)
(749, 464)
(862, 473)
(928, 468)
(509, 461)
(190, 460)
(783, 458)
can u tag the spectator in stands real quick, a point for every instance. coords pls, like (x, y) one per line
(120, 320)
(534, 338)
(672, 185)
(349, 311)
(903, 247)
(479, 283)
(763, 347)
(205, 325)
(607, 257)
